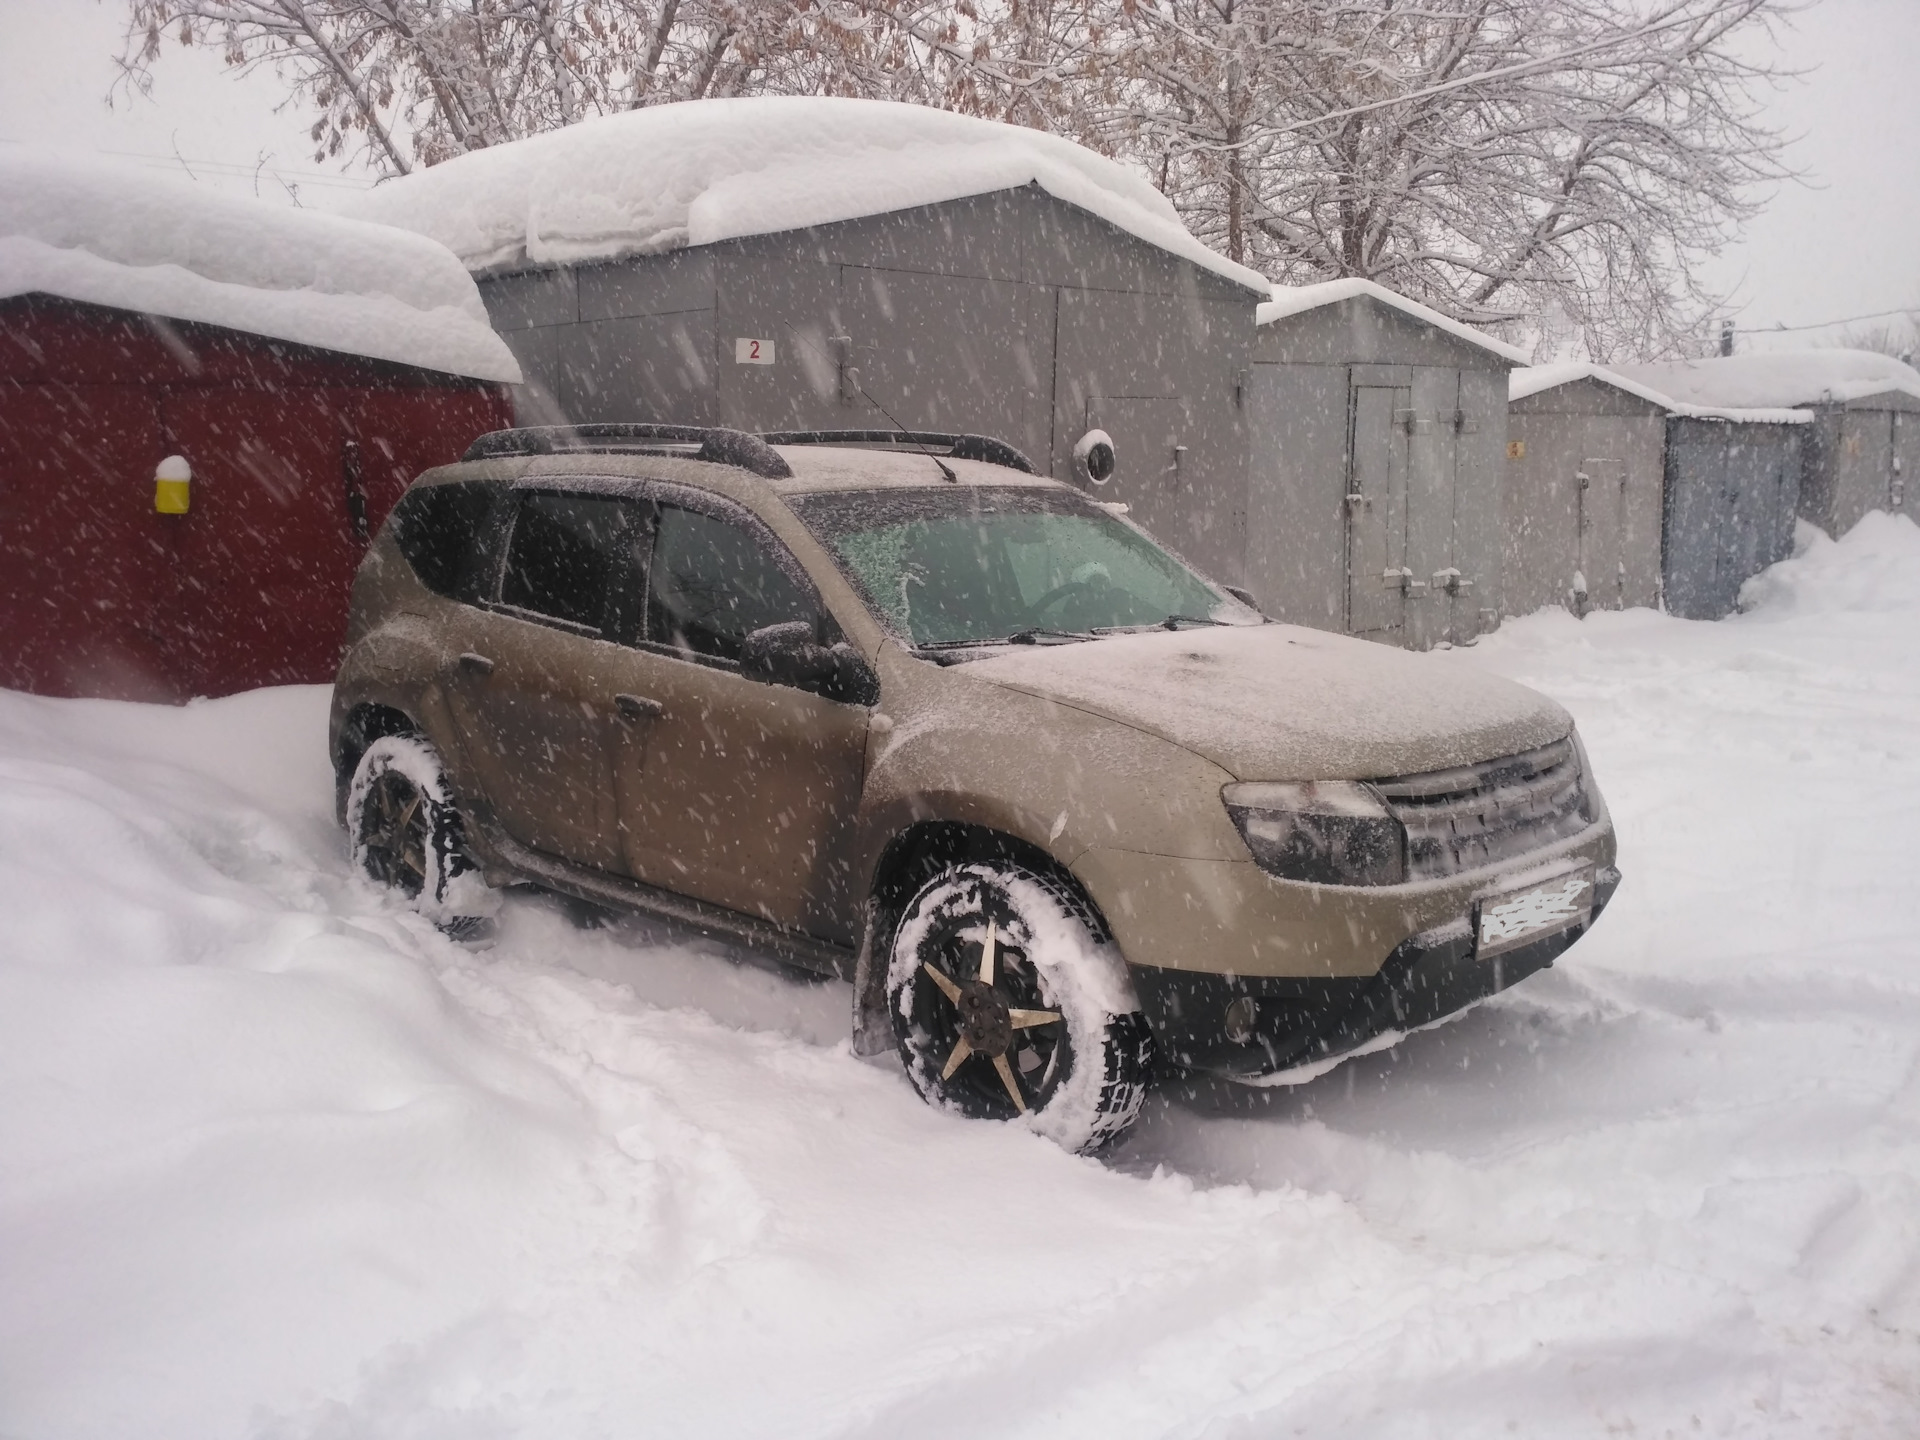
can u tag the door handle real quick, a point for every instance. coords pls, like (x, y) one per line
(638, 707)
(476, 664)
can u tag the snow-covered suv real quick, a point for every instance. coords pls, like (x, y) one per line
(1069, 815)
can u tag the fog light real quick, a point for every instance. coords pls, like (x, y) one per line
(1240, 1017)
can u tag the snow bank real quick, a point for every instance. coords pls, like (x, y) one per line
(1779, 378)
(88, 229)
(277, 1160)
(1297, 299)
(709, 170)
(1874, 568)
(1535, 379)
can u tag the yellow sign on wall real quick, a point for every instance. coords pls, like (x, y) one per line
(172, 486)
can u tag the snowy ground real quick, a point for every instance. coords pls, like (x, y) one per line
(275, 1159)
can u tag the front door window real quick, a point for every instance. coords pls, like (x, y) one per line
(713, 583)
(734, 790)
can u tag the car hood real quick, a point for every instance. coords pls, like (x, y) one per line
(1279, 702)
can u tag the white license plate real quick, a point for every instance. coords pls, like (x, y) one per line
(1521, 916)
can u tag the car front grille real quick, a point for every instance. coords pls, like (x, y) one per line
(1476, 815)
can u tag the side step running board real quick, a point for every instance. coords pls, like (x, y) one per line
(794, 947)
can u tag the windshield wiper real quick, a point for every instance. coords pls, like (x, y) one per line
(1174, 622)
(1034, 636)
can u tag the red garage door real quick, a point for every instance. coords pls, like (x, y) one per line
(263, 563)
(86, 573)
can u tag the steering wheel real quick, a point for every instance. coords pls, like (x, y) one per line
(1092, 585)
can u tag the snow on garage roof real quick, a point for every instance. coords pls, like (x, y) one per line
(1535, 379)
(1298, 299)
(1785, 377)
(87, 229)
(702, 171)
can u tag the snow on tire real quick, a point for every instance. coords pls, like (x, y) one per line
(405, 833)
(1009, 1002)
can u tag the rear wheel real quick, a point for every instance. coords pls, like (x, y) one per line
(406, 835)
(1009, 1002)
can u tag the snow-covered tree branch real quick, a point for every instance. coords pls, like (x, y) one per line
(1549, 167)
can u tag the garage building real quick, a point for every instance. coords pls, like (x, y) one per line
(304, 368)
(1376, 431)
(824, 264)
(1585, 478)
(1733, 489)
(1864, 442)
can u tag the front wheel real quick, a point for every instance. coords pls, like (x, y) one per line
(1009, 1002)
(405, 833)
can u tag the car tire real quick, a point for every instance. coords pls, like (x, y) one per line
(405, 833)
(1046, 1029)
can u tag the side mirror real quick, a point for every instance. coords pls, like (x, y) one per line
(787, 654)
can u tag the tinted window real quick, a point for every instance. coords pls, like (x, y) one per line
(712, 583)
(435, 527)
(558, 558)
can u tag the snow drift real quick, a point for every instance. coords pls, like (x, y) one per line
(279, 1161)
(708, 170)
(91, 230)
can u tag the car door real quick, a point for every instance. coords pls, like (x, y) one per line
(533, 689)
(736, 791)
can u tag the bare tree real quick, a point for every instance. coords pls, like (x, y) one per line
(1522, 164)
(1540, 166)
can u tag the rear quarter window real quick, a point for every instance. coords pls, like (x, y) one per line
(436, 526)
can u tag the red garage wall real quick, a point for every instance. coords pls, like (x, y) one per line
(101, 596)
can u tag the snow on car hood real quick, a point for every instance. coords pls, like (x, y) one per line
(1279, 702)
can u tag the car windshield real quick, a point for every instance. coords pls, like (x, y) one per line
(967, 565)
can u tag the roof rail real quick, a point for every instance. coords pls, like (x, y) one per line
(958, 447)
(711, 443)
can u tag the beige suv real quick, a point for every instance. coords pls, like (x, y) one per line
(1069, 816)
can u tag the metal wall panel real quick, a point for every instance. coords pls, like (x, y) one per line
(530, 298)
(1377, 519)
(1733, 489)
(647, 285)
(1862, 468)
(1297, 429)
(657, 368)
(1477, 599)
(958, 353)
(1906, 463)
(1363, 331)
(1157, 373)
(1860, 457)
(1605, 531)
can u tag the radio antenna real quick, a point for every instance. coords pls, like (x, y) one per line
(905, 434)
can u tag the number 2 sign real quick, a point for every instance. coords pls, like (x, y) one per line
(753, 352)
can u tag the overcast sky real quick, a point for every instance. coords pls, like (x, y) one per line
(1844, 245)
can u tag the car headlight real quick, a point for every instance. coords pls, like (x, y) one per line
(1329, 832)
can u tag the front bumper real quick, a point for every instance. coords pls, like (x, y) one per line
(1298, 1020)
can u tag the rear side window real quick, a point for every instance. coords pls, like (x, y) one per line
(558, 558)
(435, 527)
